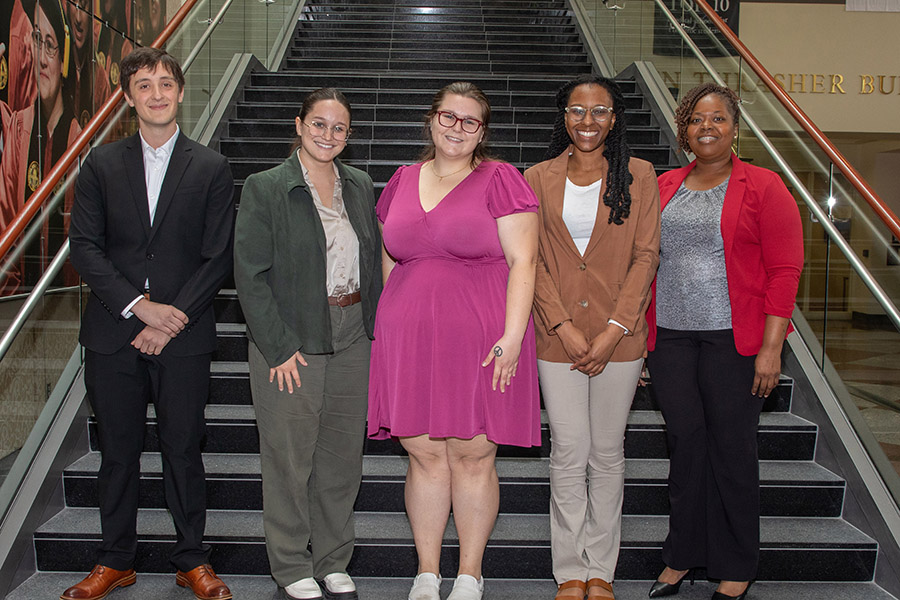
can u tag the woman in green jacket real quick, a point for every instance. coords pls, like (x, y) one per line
(307, 267)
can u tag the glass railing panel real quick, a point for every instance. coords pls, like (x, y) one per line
(863, 346)
(681, 68)
(856, 335)
(33, 364)
(38, 355)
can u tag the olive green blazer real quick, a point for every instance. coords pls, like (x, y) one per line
(279, 259)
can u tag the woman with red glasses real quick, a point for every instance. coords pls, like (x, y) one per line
(453, 363)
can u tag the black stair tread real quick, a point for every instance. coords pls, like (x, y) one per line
(381, 80)
(450, 45)
(771, 472)
(637, 419)
(246, 525)
(162, 587)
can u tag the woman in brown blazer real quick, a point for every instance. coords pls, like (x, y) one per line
(598, 252)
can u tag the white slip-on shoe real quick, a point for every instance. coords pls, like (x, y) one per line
(305, 589)
(339, 586)
(426, 586)
(467, 587)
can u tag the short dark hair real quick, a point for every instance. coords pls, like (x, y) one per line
(689, 101)
(148, 58)
(313, 98)
(466, 90)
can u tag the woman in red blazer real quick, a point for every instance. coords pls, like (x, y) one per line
(731, 251)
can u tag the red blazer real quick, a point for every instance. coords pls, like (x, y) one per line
(763, 239)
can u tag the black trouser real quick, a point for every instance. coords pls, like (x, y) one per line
(703, 388)
(119, 386)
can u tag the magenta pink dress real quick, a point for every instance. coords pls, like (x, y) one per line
(443, 308)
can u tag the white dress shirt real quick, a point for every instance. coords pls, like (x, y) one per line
(156, 162)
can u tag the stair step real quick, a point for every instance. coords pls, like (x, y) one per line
(232, 429)
(792, 549)
(450, 45)
(561, 37)
(162, 587)
(424, 66)
(392, 55)
(388, 82)
(802, 489)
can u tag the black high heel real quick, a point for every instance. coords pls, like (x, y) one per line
(743, 596)
(661, 589)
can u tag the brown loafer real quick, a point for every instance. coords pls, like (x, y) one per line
(597, 587)
(571, 590)
(100, 582)
(204, 582)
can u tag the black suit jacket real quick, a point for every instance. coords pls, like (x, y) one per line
(186, 254)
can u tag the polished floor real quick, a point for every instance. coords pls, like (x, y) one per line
(868, 361)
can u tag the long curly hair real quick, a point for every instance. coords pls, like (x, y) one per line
(689, 101)
(616, 150)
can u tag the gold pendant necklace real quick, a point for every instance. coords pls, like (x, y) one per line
(443, 177)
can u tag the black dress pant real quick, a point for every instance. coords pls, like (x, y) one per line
(119, 387)
(703, 387)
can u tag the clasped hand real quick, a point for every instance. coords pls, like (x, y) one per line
(588, 357)
(164, 317)
(163, 322)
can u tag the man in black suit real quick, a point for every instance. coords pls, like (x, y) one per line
(151, 234)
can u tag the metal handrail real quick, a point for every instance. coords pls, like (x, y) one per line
(852, 175)
(34, 204)
(881, 297)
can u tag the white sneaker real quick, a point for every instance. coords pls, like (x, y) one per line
(305, 589)
(339, 586)
(426, 586)
(467, 587)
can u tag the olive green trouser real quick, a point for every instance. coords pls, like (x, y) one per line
(311, 445)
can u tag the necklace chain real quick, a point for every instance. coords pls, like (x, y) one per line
(443, 177)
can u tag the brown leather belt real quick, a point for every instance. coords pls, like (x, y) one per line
(345, 300)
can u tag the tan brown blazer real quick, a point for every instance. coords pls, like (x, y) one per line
(612, 279)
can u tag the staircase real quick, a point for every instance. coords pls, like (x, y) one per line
(390, 58)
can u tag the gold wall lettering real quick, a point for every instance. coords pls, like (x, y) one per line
(811, 83)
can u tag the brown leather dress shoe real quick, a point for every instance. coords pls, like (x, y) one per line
(204, 582)
(100, 582)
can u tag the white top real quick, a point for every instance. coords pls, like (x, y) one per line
(156, 162)
(580, 204)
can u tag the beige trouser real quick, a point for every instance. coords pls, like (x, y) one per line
(587, 465)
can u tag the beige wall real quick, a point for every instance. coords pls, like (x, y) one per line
(841, 67)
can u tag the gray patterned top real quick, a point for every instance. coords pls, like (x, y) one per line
(691, 284)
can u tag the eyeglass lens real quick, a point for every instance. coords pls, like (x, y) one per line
(49, 47)
(598, 113)
(338, 132)
(448, 119)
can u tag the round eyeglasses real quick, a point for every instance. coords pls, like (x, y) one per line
(338, 132)
(599, 113)
(469, 125)
(50, 49)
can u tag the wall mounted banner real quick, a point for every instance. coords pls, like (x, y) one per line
(873, 5)
(667, 41)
